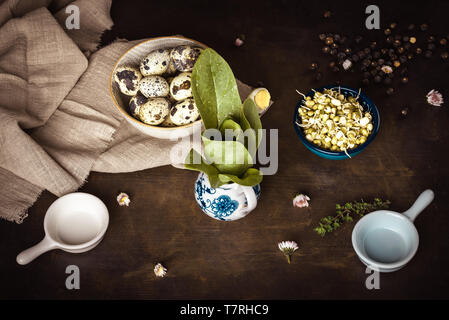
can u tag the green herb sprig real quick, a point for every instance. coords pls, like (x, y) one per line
(347, 212)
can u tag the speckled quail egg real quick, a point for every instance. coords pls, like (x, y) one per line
(135, 103)
(184, 57)
(154, 111)
(181, 86)
(184, 112)
(170, 97)
(154, 86)
(261, 98)
(128, 79)
(155, 63)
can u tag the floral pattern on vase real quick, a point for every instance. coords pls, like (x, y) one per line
(221, 203)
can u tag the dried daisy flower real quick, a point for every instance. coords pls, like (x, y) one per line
(288, 248)
(387, 69)
(347, 64)
(123, 199)
(301, 201)
(159, 270)
(434, 98)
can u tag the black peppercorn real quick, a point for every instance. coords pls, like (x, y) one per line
(403, 59)
(444, 55)
(383, 51)
(366, 62)
(401, 50)
(397, 37)
(341, 55)
(367, 50)
(318, 76)
(380, 61)
(329, 40)
(337, 37)
(313, 65)
(407, 45)
(405, 38)
(322, 36)
(358, 39)
(326, 49)
(443, 41)
(332, 64)
(390, 91)
(387, 31)
(376, 54)
(388, 81)
(428, 54)
(373, 72)
(389, 39)
(410, 56)
(366, 74)
(396, 43)
(365, 81)
(411, 27)
(393, 25)
(335, 69)
(418, 50)
(431, 46)
(430, 39)
(404, 79)
(377, 79)
(333, 52)
(361, 54)
(327, 14)
(355, 58)
(424, 27)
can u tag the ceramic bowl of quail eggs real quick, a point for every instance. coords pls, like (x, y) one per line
(151, 86)
(336, 122)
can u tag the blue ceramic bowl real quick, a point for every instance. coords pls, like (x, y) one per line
(367, 104)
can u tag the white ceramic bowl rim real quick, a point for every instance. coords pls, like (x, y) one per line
(124, 112)
(382, 265)
(84, 245)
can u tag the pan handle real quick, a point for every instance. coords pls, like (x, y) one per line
(424, 199)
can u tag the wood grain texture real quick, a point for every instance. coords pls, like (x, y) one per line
(208, 259)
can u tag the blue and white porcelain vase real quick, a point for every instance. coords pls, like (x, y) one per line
(227, 203)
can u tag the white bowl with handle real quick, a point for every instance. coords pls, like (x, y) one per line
(386, 240)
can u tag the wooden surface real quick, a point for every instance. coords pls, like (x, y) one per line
(208, 259)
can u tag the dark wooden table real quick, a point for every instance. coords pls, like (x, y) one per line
(208, 259)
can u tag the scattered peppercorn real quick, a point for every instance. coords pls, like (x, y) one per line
(313, 66)
(424, 27)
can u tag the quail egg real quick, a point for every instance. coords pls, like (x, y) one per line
(181, 86)
(135, 103)
(184, 112)
(154, 111)
(128, 79)
(184, 57)
(154, 86)
(155, 63)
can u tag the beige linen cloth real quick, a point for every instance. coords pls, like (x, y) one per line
(57, 119)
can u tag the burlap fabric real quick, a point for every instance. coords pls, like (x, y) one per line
(57, 119)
